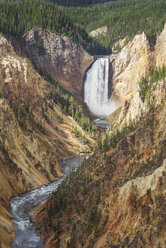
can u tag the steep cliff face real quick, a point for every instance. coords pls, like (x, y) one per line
(136, 216)
(129, 65)
(160, 49)
(58, 57)
(35, 133)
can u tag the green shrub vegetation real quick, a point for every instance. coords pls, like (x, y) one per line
(67, 203)
(23, 112)
(66, 100)
(149, 82)
(105, 141)
(79, 135)
(120, 134)
(1, 94)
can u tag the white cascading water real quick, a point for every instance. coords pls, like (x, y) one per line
(96, 89)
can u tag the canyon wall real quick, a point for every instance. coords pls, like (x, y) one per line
(160, 49)
(129, 66)
(60, 58)
(35, 132)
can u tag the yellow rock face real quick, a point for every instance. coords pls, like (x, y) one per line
(160, 49)
(129, 65)
(133, 61)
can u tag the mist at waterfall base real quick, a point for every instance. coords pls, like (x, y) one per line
(96, 91)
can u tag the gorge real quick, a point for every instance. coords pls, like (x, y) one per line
(54, 93)
(36, 128)
(96, 97)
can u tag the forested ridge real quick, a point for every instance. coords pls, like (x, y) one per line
(16, 18)
(123, 18)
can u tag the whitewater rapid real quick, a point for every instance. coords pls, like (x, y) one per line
(26, 236)
(96, 93)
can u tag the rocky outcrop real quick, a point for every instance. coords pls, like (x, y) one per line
(120, 44)
(160, 49)
(59, 58)
(12, 180)
(99, 31)
(137, 216)
(133, 109)
(129, 65)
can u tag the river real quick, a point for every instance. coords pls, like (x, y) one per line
(26, 236)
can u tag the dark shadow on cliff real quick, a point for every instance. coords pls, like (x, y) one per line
(94, 48)
(75, 3)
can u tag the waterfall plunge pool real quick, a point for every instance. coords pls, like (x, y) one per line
(26, 236)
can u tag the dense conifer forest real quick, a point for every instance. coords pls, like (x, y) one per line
(16, 18)
(123, 18)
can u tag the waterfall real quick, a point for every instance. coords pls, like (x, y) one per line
(96, 89)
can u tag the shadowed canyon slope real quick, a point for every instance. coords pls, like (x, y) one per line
(35, 132)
